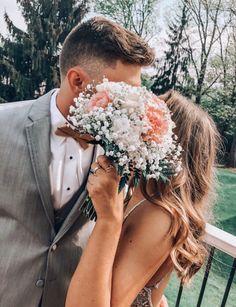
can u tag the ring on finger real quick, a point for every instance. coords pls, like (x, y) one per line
(94, 170)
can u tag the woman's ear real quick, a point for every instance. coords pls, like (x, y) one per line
(77, 79)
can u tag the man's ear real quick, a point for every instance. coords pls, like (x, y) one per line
(77, 79)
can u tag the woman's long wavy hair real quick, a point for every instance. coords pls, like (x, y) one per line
(188, 196)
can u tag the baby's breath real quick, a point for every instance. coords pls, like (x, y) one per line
(124, 128)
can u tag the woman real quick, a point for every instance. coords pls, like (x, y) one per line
(133, 249)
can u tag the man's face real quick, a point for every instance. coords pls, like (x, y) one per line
(128, 73)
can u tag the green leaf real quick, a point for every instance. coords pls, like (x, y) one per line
(137, 176)
(165, 179)
(88, 209)
(120, 170)
(124, 180)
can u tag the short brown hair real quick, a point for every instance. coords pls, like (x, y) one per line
(99, 39)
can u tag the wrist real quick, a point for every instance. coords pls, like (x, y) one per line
(112, 223)
(112, 212)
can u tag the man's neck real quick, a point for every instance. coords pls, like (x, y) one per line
(63, 102)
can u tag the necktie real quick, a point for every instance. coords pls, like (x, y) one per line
(67, 131)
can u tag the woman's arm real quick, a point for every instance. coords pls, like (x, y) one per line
(158, 298)
(91, 282)
(119, 260)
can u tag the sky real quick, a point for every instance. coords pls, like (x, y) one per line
(10, 6)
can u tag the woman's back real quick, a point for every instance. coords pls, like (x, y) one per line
(144, 298)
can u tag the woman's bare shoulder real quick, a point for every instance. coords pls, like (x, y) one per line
(143, 247)
(148, 218)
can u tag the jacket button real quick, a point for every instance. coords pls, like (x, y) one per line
(54, 247)
(39, 283)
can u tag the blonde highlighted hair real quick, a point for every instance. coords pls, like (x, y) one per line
(188, 196)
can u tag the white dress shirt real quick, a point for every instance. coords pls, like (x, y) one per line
(69, 161)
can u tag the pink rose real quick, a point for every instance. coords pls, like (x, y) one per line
(100, 99)
(157, 121)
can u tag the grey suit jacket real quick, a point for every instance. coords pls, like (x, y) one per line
(35, 263)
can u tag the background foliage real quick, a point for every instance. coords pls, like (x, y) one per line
(29, 60)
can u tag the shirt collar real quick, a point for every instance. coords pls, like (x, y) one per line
(57, 119)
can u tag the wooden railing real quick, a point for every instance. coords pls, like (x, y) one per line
(225, 242)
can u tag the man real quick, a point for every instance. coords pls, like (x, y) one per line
(43, 173)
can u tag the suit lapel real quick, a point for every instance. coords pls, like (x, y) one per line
(75, 212)
(38, 139)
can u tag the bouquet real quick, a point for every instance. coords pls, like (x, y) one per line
(134, 128)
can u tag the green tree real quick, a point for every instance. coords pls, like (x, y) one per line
(220, 101)
(29, 59)
(136, 15)
(206, 30)
(223, 112)
(173, 69)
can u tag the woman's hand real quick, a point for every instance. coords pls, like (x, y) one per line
(103, 189)
(91, 282)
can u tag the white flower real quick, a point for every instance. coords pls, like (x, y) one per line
(123, 122)
(72, 109)
(97, 138)
(130, 104)
(132, 148)
(88, 127)
(152, 168)
(121, 146)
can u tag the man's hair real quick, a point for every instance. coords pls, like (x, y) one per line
(99, 40)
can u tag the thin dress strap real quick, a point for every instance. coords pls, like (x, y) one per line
(132, 209)
(147, 288)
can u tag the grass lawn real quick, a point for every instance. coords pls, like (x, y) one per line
(225, 217)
